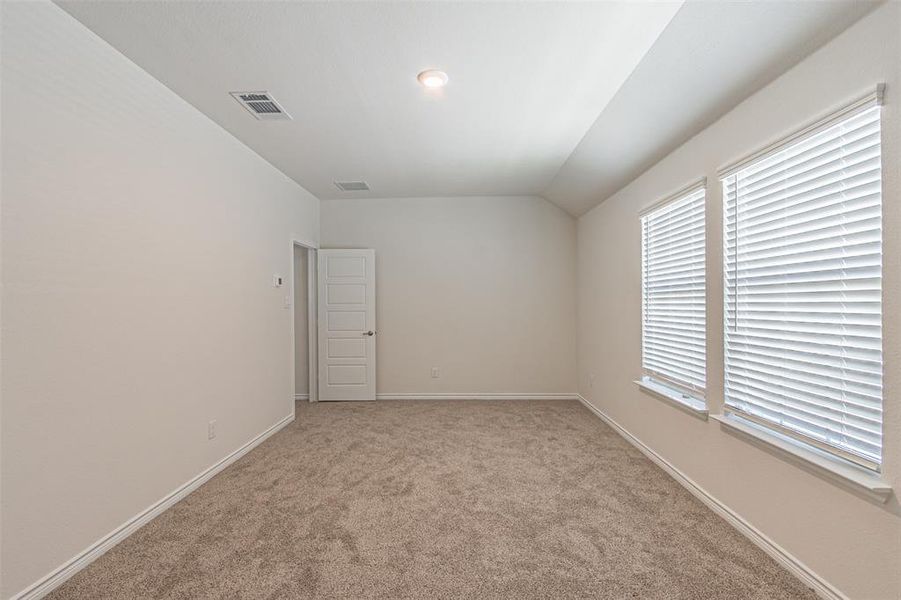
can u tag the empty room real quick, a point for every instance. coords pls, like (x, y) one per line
(409, 299)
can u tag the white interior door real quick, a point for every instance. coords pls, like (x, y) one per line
(347, 325)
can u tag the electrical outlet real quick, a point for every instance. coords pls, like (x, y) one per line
(211, 430)
(436, 372)
(277, 281)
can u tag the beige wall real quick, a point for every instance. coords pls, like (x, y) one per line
(481, 287)
(139, 241)
(852, 542)
(301, 323)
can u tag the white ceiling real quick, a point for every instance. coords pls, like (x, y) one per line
(710, 58)
(528, 81)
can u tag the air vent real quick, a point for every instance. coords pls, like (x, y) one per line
(262, 106)
(352, 186)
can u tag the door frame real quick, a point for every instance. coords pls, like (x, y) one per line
(312, 321)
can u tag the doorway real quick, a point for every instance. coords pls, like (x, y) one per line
(303, 301)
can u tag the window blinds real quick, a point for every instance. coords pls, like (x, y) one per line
(673, 334)
(803, 288)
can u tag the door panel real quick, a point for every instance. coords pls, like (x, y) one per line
(346, 293)
(347, 325)
(345, 320)
(340, 348)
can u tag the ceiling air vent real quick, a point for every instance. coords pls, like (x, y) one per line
(352, 186)
(262, 106)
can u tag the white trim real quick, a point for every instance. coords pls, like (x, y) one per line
(871, 99)
(767, 429)
(312, 249)
(477, 396)
(858, 479)
(305, 243)
(696, 185)
(808, 577)
(693, 391)
(690, 404)
(312, 324)
(58, 576)
(301, 396)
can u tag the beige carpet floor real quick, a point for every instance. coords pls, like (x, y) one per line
(439, 499)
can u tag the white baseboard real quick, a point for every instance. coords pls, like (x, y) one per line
(820, 586)
(301, 396)
(58, 576)
(504, 396)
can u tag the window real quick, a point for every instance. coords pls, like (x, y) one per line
(803, 287)
(673, 333)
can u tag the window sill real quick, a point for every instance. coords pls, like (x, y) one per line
(832, 468)
(689, 404)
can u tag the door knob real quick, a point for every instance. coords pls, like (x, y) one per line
(370, 333)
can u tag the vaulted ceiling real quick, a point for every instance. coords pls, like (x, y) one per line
(568, 100)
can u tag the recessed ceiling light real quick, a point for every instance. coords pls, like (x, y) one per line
(432, 78)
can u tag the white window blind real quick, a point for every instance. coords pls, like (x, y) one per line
(673, 334)
(803, 287)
